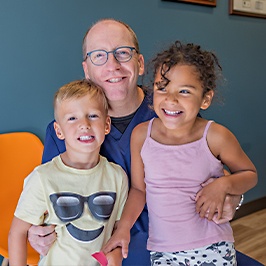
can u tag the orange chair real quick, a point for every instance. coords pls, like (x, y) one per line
(20, 153)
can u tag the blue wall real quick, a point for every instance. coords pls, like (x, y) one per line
(40, 50)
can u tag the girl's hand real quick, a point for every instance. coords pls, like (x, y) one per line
(120, 238)
(210, 200)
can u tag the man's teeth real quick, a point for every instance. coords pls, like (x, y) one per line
(114, 80)
(85, 137)
(172, 112)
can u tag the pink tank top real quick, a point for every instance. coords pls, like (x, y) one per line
(173, 174)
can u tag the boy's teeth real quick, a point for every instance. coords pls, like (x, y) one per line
(85, 137)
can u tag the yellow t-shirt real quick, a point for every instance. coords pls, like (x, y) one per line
(83, 204)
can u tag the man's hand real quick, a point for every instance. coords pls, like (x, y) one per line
(41, 238)
(229, 209)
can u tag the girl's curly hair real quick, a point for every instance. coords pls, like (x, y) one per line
(206, 63)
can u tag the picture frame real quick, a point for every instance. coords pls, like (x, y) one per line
(250, 8)
(198, 2)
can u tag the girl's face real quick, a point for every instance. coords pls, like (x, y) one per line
(179, 102)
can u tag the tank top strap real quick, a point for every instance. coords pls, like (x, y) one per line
(149, 128)
(206, 129)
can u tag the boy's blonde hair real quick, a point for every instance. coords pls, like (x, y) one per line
(77, 89)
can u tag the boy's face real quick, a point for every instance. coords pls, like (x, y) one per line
(82, 123)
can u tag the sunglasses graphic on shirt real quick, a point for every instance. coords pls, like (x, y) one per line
(70, 206)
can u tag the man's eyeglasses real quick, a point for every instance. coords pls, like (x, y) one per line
(122, 54)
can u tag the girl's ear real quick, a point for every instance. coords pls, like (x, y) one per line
(207, 99)
(58, 131)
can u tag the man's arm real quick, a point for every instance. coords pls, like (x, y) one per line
(42, 237)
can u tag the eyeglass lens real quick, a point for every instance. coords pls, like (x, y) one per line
(121, 54)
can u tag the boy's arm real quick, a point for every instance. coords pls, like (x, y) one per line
(224, 146)
(114, 257)
(17, 242)
(136, 197)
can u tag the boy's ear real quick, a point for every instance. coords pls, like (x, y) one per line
(107, 125)
(58, 131)
(207, 99)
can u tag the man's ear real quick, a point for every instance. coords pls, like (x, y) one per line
(107, 125)
(141, 64)
(207, 99)
(58, 131)
(85, 69)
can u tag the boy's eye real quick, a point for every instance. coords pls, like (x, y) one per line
(71, 118)
(93, 116)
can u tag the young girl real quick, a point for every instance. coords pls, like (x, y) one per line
(173, 154)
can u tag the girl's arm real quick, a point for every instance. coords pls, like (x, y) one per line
(17, 242)
(136, 197)
(225, 147)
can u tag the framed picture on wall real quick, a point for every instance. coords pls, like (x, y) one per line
(199, 2)
(251, 8)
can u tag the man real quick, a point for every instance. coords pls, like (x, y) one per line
(112, 59)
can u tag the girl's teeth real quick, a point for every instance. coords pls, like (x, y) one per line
(172, 112)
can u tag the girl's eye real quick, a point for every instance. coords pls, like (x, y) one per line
(71, 118)
(184, 91)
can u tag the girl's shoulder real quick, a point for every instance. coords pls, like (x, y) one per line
(139, 133)
(142, 127)
(219, 137)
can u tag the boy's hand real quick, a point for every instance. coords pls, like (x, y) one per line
(114, 258)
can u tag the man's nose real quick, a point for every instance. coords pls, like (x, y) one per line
(112, 62)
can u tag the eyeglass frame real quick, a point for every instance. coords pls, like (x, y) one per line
(109, 52)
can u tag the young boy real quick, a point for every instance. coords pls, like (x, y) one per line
(77, 176)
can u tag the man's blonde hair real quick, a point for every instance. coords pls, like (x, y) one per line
(77, 89)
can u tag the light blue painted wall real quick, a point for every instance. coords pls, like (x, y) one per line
(40, 50)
